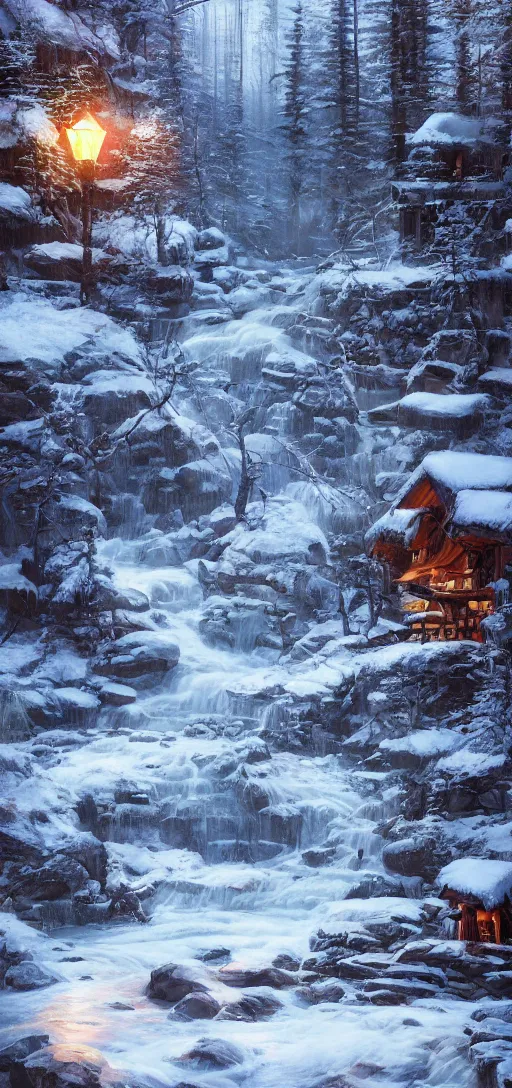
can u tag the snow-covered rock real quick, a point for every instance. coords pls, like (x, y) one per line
(50, 334)
(61, 260)
(138, 654)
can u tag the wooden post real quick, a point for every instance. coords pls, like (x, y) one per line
(87, 185)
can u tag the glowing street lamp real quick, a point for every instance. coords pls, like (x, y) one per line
(86, 138)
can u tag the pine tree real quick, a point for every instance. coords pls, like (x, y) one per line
(151, 159)
(295, 115)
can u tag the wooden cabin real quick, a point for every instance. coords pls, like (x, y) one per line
(451, 158)
(448, 542)
(478, 891)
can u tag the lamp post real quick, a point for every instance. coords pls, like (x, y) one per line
(86, 138)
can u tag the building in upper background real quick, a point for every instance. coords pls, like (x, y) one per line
(453, 160)
(448, 542)
(478, 891)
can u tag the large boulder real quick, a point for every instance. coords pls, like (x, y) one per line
(196, 1006)
(62, 260)
(138, 654)
(27, 976)
(235, 975)
(214, 1054)
(58, 878)
(250, 1008)
(195, 488)
(172, 983)
(21, 1049)
(62, 1066)
(171, 283)
(412, 857)
(109, 397)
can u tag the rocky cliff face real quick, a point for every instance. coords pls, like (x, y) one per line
(214, 720)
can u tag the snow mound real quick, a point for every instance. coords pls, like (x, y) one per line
(394, 278)
(63, 251)
(49, 334)
(424, 742)
(380, 909)
(460, 405)
(470, 763)
(284, 531)
(489, 881)
(500, 375)
(16, 202)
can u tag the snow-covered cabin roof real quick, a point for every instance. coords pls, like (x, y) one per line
(475, 489)
(454, 130)
(451, 471)
(485, 510)
(488, 881)
(396, 527)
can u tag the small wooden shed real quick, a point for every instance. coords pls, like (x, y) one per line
(448, 541)
(479, 890)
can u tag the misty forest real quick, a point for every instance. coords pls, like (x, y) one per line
(255, 543)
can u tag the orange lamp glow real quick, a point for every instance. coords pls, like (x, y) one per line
(86, 138)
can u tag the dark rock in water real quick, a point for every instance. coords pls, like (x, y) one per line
(62, 1067)
(316, 858)
(287, 962)
(21, 1049)
(196, 1006)
(119, 1005)
(254, 976)
(215, 1054)
(27, 976)
(92, 854)
(251, 1007)
(117, 694)
(375, 885)
(214, 955)
(126, 903)
(172, 982)
(138, 654)
(329, 990)
(385, 997)
(58, 878)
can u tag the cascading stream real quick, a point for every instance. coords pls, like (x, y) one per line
(256, 906)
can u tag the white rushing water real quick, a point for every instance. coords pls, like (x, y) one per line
(256, 907)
